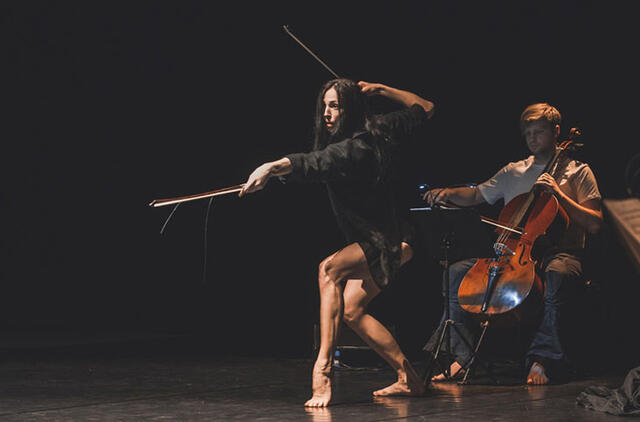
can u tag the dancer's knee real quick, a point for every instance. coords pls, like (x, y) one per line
(352, 314)
(333, 272)
(326, 274)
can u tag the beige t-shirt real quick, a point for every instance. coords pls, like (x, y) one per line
(576, 181)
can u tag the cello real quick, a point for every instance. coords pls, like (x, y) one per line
(507, 288)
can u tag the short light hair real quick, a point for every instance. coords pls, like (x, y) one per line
(540, 112)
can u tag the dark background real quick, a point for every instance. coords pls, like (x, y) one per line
(109, 105)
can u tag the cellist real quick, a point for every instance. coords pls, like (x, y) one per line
(577, 192)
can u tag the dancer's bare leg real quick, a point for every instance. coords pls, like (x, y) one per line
(350, 264)
(331, 308)
(357, 295)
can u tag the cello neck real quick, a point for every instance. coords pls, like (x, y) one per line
(519, 217)
(552, 165)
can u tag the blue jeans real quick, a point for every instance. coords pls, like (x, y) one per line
(562, 279)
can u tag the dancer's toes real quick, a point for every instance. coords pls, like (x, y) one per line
(408, 384)
(395, 389)
(440, 377)
(398, 389)
(318, 401)
(321, 385)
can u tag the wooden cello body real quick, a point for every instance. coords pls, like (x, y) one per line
(508, 288)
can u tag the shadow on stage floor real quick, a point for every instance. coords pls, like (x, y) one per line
(171, 377)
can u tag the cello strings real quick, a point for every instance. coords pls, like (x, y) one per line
(551, 168)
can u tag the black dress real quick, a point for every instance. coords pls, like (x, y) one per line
(358, 174)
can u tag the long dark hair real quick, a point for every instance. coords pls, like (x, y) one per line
(353, 113)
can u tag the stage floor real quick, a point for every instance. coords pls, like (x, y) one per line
(127, 382)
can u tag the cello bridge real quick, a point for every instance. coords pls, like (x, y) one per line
(501, 248)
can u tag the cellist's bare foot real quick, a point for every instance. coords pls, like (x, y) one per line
(321, 385)
(408, 384)
(453, 371)
(537, 375)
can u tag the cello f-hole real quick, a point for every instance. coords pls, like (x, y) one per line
(524, 248)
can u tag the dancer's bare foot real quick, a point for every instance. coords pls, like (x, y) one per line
(321, 385)
(537, 375)
(408, 384)
(453, 371)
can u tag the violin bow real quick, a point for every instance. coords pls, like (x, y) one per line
(180, 199)
(237, 188)
(288, 31)
(224, 191)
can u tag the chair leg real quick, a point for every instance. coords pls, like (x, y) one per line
(448, 324)
(474, 357)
